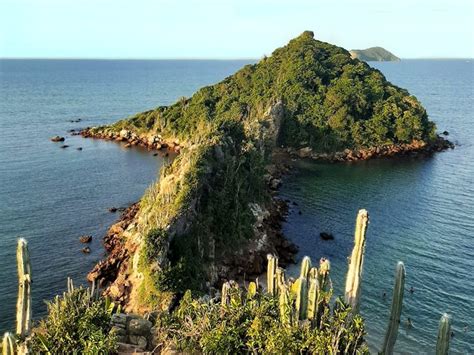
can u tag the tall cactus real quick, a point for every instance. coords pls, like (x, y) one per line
(285, 306)
(23, 307)
(313, 293)
(302, 298)
(323, 275)
(8, 347)
(396, 310)
(444, 335)
(279, 279)
(252, 290)
(305, 266)
(354, 274)
(225, 294)
(271, 271)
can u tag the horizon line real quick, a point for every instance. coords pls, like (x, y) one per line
(191, 58)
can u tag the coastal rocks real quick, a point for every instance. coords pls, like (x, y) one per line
(64, 146)
(57, 139)
(445, 133)
(85, 239)
(86, 250)
(415, 148)
(132, 139)
(133, 332)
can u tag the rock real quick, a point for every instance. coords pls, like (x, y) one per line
(326, 236)
(85, 239)
(123, 348)
(139, 326)
(86, 250)
(125, 133)
(139, 341)
(128, 145)
(64, 146)
(119, 319)
(113, 209)
(57, 139)
(275, 184)
(445, 133)
(79, 148)
(305, 152)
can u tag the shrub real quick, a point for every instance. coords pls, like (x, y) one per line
(77, 323)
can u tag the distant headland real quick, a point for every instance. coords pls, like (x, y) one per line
(374, 54)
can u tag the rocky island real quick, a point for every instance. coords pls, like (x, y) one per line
(374, 54)
(212, 215)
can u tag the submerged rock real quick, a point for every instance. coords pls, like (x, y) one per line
(85, 239)
(326, 236)
(57, 139)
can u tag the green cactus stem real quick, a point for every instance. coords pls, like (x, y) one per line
(23, 307)
(396, 310)
(356, 263)
(323, 275)
(271, 271)
(225, 293)
(444, 335)
(285, 306)
(313, 293)
(302, 298)
(305, 266)
(279, 279)
(8, 347)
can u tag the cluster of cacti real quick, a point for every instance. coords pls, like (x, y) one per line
(444, 335)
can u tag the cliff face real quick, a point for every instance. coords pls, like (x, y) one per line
(211, 215)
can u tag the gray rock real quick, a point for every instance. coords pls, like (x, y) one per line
(138, 340)
(139, 327)
(119, 318)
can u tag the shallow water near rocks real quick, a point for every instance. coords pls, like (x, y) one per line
(420, 210)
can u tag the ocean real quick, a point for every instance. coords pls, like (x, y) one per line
(420, 210)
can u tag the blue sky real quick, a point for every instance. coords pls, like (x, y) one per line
(230, 29)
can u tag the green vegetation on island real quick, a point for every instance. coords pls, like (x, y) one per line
(374, 54)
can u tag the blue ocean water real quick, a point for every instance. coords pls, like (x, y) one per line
(421, 210)
(421, 213)
(52, 196)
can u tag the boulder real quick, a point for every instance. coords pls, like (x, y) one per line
(86, 250)
(85, 239)
(139, 341)
(57, 139)
(139, 326)
(64, 146)
(305, 152)
(124, 133)
(326, 236)
(445, 133)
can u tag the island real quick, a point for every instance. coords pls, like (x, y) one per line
(180, 273)
(374, 54)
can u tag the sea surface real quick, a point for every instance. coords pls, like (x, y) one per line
(421, 210)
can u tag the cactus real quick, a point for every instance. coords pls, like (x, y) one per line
(354, 273)
(313, 293)
(252, 290)
(285, 306)
(305, 266)
(279, 279)
(23, 308)
(396, 310)
(8, 344)
(323, 275)
(225, 294)
(70, 285)
(444, 335)
(302, 298)
(271, 270)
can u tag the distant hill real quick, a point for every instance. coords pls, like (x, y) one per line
(374, 54)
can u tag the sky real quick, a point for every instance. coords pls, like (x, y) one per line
(223, 29)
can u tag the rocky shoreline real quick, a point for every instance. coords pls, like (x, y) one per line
(130, 138)
(413, 149)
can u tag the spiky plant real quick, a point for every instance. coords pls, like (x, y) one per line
(444, 335)
(23, 307)
(356, 263)
(305, 266)
(8, 347)
(271, 273)
(396, 310)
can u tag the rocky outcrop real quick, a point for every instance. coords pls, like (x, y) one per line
(149, 141)
(134, 333)
(416, 148)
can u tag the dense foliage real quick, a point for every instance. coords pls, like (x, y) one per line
(253, 325)
(77, 323)
(331, 101)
